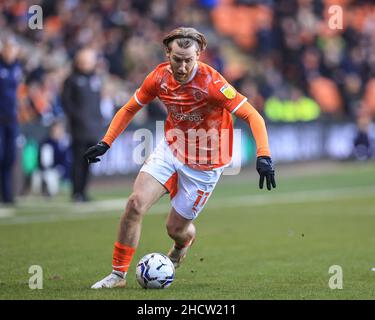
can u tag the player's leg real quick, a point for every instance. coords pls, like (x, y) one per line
(157, 176)
(194, 189)
(182, 231)
(146, 191)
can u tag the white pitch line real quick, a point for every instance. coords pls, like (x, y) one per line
(37, 202)
(6, 212)
(297, 197)
(114, 208)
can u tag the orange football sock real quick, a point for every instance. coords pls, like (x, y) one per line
(122, 257)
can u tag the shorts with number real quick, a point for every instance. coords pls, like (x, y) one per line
(189, 188)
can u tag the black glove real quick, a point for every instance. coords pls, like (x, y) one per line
(266, 170)
(93, 152)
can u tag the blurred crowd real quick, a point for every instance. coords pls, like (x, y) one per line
(284, 55)
(284, 49)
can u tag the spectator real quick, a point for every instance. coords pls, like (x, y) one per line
(81, 102)
(361, 143)
(10, 77)
(53, 160)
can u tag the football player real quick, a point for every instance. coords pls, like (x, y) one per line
(198, 99)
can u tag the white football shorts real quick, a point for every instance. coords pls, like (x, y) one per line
(189, 188)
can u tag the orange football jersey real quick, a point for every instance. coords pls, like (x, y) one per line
(199, 127)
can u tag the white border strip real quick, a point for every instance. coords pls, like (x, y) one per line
(136, 99)
(240, 104)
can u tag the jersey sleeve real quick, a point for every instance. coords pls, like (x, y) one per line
(224, 95)
(121, 120)
(148, 90)
(257, 125)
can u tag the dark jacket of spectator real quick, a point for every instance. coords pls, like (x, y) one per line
(10, 77)
(81, 103)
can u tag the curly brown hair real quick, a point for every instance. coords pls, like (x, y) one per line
(186, 38)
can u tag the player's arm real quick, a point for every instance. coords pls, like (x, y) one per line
(118, 124)
(257, 125)
(222, 93)
(145, 94)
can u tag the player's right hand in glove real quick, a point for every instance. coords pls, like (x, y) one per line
(266, 171)
(92, 153)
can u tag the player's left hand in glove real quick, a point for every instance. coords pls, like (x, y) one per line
(92, 153)
(266, 171)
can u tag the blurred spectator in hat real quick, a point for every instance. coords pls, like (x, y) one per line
(53, 161)
(362, 143)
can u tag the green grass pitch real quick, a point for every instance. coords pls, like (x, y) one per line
(251, 244)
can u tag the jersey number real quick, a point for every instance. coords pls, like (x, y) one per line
(201, 195)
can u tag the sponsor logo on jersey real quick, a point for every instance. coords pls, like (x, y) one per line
(187, 116)
(228, 91)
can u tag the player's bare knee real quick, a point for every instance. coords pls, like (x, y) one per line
(174, 230)
(135, 207)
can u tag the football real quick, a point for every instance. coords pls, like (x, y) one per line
(155, 271)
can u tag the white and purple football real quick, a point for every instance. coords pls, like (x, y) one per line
(155, 271)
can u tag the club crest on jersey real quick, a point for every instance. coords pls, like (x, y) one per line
(198, 96)
(228, 91)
